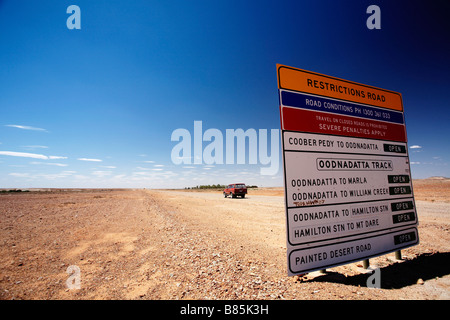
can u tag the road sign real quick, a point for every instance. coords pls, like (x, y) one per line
(348, 187)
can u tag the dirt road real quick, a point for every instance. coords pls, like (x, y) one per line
(148, 244)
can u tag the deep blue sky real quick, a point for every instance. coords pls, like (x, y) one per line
(137, 70)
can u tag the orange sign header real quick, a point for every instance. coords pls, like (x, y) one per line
(310, 82)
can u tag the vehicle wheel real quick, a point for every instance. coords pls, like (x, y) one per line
(224, 195)
(243, 196)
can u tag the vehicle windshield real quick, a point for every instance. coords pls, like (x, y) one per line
(240, 186)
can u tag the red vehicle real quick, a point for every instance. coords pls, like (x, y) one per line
(235, 189)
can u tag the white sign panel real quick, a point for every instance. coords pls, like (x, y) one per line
(348, 187)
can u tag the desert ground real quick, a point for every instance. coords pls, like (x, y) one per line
(179, 244)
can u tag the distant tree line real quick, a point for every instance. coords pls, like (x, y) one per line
(215, 186)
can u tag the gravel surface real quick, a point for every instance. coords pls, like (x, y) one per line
(156, 244)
